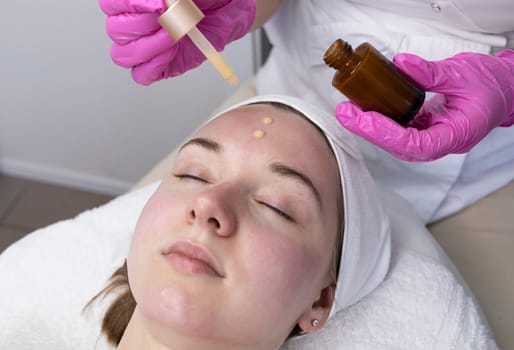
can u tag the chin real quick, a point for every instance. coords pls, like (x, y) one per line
(178, 309)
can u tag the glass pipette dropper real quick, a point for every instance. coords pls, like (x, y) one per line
(181, 19)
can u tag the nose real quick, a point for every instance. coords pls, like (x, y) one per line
(213, 210)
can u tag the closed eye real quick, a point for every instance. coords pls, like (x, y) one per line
(190, 177)
(278, 211)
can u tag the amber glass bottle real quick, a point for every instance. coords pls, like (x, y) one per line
(370, 80)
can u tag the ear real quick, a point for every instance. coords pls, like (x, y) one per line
(320, 310)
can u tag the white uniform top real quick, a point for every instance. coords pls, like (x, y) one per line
(302, 30)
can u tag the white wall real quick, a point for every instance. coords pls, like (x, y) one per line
(69, 115)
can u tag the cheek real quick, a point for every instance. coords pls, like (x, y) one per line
(159, 217)
(282, 264)
(152, 233)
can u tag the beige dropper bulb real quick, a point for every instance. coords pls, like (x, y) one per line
(181, 19)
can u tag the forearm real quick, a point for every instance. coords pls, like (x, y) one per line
(264, 10)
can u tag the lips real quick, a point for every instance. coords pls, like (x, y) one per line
(192, 259)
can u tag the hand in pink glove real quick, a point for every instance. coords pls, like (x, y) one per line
(141, 44)
(476, 95)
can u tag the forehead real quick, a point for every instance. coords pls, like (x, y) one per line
(267, 122)
(257, 111)
(290, 138)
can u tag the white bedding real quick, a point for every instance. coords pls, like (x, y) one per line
(48, 277)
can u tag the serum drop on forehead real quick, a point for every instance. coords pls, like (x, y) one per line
(267, 120)
(258, 134)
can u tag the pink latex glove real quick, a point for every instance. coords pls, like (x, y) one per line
(140, 43)
(476, 94)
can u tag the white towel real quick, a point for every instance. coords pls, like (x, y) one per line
(420, 305)
(48, 277)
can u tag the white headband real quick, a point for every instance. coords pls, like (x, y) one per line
(366, 247)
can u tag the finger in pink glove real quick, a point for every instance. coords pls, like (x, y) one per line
(141, 44)
(476, 94)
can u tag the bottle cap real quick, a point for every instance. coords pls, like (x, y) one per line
(180, 17)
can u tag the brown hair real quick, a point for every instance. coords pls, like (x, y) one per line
(118, 315)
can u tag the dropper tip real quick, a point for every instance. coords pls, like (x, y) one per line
(233, 80)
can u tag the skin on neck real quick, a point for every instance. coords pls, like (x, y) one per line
(142, 333)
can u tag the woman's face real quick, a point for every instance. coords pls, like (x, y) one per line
(236, 244)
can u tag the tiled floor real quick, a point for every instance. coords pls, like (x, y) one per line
(27, 205)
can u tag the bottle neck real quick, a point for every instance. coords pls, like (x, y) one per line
(341, 56)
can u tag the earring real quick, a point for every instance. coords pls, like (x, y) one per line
(315, 323)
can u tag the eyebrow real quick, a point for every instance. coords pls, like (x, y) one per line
(287, 171)
(204, 143)
(276, 167)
